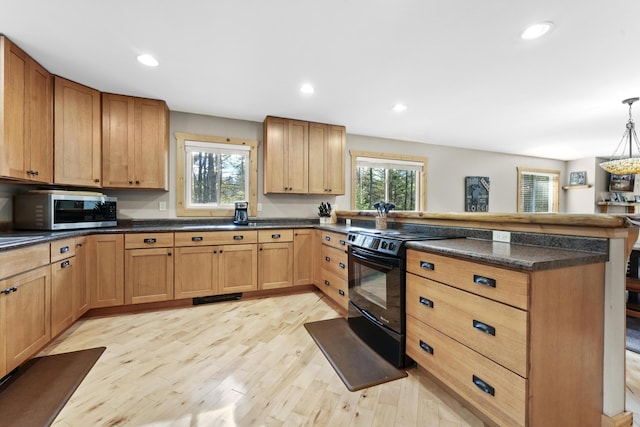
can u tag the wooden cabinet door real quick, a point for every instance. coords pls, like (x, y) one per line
(148, 275)
(297, 155)
(40, 123)
(26, 137)
(302, 256)
(77, 139)
(286, 156)
(27, 314)
(275, 265)
(334, 158)
(117, 140)
(63, 284)
(238, 270)
(275, 175)
(81, 300)
(151, 148)
(196, 271)
(106, 266)
(135, 142)
(327, 150)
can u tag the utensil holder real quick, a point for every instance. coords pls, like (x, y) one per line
(381, 222)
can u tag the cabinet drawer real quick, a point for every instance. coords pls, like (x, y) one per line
(337, 240)
(20, 260)
(208, 238)
(268, 236)
(492, 389)
(510, 287)
(335, 261)
(495, 330)
(61, 249)
(148, 240)
(335, 288)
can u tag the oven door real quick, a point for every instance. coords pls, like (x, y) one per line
(376, 287)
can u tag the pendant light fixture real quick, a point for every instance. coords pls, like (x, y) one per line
(625, 165)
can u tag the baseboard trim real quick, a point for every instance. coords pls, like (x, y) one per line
(623, 419)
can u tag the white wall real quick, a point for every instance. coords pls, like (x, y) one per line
(446, 169)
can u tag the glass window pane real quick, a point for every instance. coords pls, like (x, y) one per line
(204, 178)
(233, 183)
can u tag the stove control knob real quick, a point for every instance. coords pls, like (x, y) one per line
(391, 246)
(384, 245)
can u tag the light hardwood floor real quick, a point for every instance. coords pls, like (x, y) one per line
(239, 363)
(633, 386)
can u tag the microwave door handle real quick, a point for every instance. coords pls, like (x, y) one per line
(380, 267)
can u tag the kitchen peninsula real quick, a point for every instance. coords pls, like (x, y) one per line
(550, 231)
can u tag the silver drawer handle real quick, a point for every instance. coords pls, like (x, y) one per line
(149, 241)
(426, 347)
(275, 236)
(483, 327)
(427, 265)
(64, 249)
(238, 237)
(197, 239)
(427, 302)
(65, 264)
(484, 281)
(484, 386)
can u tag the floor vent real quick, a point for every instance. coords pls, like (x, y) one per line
(216, 298)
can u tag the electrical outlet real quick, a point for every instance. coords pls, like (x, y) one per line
(501, 236)
(348, 221)
(162, 206)
(259, 207)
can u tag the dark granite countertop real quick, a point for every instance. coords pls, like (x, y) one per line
(16, 238)
(509, 255)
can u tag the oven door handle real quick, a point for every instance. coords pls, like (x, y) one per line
(369, 316)
(367, 261)
(384, 261)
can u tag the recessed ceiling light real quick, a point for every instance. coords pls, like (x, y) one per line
(399, 108)
(307, 89)
(148, 60)
(537, 30)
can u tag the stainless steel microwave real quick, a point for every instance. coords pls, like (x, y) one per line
(63, 211)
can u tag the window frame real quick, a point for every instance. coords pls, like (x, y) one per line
(555, 191)
(421, 205)
(181, 192)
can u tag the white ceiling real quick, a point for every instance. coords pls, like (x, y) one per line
(468, 78)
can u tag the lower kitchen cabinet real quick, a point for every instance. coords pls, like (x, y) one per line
(275, 259)
(238, 268)
(149, 275)
(303, 259)
(196, 271)
(522, 347)
(106, 264)
(63, 284)
(81, 299)
(25, 316)
(148, 267)
(333, 268)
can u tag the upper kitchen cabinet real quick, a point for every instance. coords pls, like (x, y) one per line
(135, 142)
(286, 156)
(327, 145)
(77, 139)
(26, 122)
(302, 157)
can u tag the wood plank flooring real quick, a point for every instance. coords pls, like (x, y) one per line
(239, 363)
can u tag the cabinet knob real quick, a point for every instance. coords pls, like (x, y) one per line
(130, 182)
(137, 181)
(96, 180)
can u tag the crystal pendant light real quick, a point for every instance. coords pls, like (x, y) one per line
(625, 165)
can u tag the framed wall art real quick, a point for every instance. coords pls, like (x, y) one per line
(578, 178)
(476, 194)
(621, 182)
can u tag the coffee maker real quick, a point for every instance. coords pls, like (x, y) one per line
(241, 216)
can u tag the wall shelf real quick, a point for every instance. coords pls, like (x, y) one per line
(630, 207)
(574, 187)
